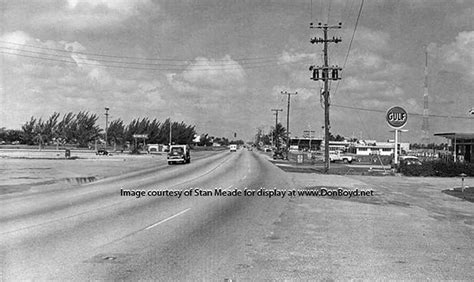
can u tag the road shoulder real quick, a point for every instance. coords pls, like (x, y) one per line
(381, 237)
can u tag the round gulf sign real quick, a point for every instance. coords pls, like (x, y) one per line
(396, 117)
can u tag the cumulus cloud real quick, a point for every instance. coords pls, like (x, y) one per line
(76, 81)
(18, 37)
(293, 57)
(210, 74)
(14, 41)
(369, 39)
(22, 45)
(458, 56)
(123, 6)
(178, 84)
(214, 73)
(91, 14)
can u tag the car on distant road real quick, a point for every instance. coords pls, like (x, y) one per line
(233, 148)
(102, 152)
(179, 154)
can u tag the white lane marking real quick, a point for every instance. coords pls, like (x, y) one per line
(245, 176)
(166, 219)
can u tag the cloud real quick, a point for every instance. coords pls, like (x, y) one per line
(214, 73)
(293, 57)
(18, 37)
(91, 14)
(369, 39)
(458, 56)
(178, 84)
(22, 47)
(123, 6)
(209, 74)
(81, 84)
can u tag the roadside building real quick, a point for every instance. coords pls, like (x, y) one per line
(461, 144)
(305, 144)
(372, 147)
(341, 146)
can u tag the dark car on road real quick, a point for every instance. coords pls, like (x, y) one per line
(179, 154)
(102, 152)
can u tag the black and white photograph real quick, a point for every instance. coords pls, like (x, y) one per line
(236, 140)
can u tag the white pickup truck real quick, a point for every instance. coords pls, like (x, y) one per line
(337, 156)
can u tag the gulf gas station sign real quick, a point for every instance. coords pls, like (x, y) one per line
(396, 117)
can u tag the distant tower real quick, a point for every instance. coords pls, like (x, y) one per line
(425, 127)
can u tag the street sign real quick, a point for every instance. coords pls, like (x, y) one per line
(299, 158)
(396, 117)
(145, 136)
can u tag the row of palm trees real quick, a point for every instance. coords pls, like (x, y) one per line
(81, 129)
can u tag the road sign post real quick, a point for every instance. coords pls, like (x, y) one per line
(396, 118)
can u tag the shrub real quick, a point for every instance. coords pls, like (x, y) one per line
(426, 169)
(453, 169)
(135, 151)
(438, 168)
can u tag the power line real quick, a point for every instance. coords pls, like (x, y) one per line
(130, 57)
(196, 68)
(125, 62)
(412, 114)
(353, 33)
(350, 43)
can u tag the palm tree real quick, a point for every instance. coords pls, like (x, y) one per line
(279, 134)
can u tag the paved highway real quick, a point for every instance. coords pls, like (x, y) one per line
(92, 232)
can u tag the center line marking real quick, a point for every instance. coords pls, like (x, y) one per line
(166, 219)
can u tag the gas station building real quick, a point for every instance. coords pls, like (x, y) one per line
(462, 145)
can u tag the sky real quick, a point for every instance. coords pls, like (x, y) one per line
(222, 65)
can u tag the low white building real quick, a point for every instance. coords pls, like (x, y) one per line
(378, 148)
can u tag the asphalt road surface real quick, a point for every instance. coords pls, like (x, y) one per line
(92, 232)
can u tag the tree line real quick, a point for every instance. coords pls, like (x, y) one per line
(158, 132)
(81, 129)
(278, 137)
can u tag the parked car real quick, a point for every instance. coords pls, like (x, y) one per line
(409, 160)
(405, 161)
(179, 154)
(337, 156)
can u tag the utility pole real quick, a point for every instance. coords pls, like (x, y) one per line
(327, 73)
(106, 125)
(276, 123)
(288, 122)
(170, 132)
